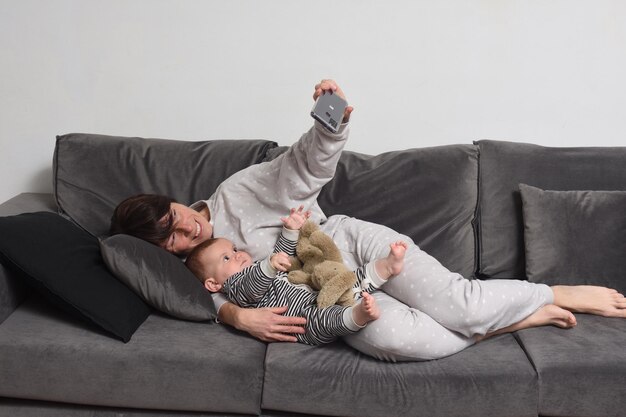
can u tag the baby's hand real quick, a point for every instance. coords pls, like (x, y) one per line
(296, 218)
(280, 261)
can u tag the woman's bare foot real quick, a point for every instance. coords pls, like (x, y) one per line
(590, 299)
(551, 315)
(394, 262)
(365, 311)
(546, 315)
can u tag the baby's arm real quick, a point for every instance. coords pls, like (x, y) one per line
(297, 217)
(289, 236)
(246, 288)
(280, 261)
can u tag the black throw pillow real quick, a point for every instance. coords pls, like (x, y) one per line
(63, 263)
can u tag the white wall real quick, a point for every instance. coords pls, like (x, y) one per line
(419, 72)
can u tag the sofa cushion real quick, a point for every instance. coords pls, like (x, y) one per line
(575, 237)
(63, 263)
(428, 194)
(493, 378)
(504, 165)
(582, 371)
(169, 364)
(93, 173)
(161, 279)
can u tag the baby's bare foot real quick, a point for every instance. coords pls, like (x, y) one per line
(590, 299)
(366, 311)
(394, 262)
(395, 259)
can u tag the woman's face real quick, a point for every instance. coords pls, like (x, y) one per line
(191, 228)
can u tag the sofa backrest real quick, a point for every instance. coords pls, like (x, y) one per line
(93, 173)
(428, 194)
(504, 165)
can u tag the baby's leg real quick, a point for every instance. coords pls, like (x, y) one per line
(393, 263)
(365, 311)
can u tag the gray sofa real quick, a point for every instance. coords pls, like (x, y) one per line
(460, 203)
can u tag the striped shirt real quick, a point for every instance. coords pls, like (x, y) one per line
(260, 286)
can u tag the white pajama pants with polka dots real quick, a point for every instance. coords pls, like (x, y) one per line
(428, 312)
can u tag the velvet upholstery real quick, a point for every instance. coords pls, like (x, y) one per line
(483, 380)
(582, 371)
(55, 365)
(12, 288)
(26, 408)
(161, 279)
(168, 365)
(93, 173)
(428, 194)
(575, 237)
(63, 263)
(504, 165)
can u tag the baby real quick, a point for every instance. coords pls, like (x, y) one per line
(221, 267)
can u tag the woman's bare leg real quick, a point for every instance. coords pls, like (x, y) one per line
(590, 299)
(546, 315)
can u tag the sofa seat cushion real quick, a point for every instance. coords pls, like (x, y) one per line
(493, 378)
(169, 364)
(582, 371)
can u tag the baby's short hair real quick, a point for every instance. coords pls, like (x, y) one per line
(194, 262)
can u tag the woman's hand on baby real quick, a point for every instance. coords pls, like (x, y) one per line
(331, 86)
(280, 261)
(297, 217)
(268, 324)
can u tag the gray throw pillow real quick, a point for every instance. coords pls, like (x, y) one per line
(575, 237)
(504, 165)
(161, 279)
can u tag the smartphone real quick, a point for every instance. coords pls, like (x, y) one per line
(328, 110)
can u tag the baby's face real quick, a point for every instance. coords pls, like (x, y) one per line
(222, 260)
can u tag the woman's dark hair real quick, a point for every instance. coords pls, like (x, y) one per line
(142, 216)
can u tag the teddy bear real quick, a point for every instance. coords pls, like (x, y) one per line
(319, 265)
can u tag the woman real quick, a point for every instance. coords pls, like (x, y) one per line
(427, 312)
